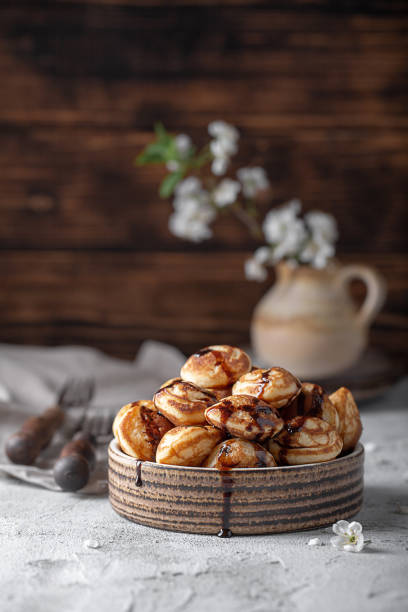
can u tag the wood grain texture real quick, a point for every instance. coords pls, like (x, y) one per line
(114, 300)
(246, 501)
(319, 92)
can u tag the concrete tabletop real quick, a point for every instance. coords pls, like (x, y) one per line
(62, 551)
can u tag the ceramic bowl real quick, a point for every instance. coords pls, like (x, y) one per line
(238, 501)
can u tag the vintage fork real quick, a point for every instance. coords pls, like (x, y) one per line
(77, 458)
(36, 433)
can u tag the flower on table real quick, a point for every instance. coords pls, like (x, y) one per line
(253, 180)
(349, 536)
(193, 211)
(223, 145)
(226, 192)
(315, 542)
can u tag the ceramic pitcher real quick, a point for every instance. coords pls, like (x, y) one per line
(308, 323)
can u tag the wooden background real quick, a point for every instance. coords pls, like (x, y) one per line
(319, 92)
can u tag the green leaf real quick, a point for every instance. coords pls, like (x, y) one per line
(148, 158)
(162, 134)
(169, 183)
(154, 153)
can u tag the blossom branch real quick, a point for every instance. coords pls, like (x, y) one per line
(249, 220)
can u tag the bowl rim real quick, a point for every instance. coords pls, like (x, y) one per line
(358, 451)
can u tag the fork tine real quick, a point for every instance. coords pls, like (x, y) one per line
(99, 425)
(76, 392)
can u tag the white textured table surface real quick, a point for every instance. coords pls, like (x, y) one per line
(45, 565)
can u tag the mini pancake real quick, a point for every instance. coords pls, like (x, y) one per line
(312, 401)
(216, 366)
(349, 417)
(140, 429)
(187, 445)
(276, 386)
(237, 453)
(245, 416)
(183, 403)
(305, 440)
(122, 413)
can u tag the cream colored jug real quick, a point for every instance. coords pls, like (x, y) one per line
(308, 323)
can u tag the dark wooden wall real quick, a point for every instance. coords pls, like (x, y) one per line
(319, 92)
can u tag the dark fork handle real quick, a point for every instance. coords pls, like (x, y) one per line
(75, 463)
(35, 434)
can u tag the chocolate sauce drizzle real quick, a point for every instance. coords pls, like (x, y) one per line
(295, 424)
(262, 415)
(263, 382)
(138, 481)
(219, 361)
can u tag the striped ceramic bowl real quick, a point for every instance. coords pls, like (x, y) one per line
(240, 501)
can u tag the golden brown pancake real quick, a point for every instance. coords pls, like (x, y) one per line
(183, 403)
(312, 401)
(140, 429)
(276, 386)
(349, 416)
(245, 416)
(305, 440)
(187, 445)
(237, 453)
(216, 366)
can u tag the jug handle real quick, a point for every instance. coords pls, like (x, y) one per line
(376, 290)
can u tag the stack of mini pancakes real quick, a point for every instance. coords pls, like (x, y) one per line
(223, 413)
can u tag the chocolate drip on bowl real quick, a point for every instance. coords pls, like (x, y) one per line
(138, 481)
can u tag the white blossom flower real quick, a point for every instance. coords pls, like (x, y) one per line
(222, 129)
(319, 248)
(219, 166)
(255, 267)
(253, 180)
(314, 542)
(223, 148)
(285, 231)
(193, 211)
(323, 225)
(263, 255)
(189, 227)
(316, 252)
(189, 186)
(183, 144)
(254, 270)
(279, 219)
(226, 192)
(172, 165)
(349, 536)
(223, 145)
